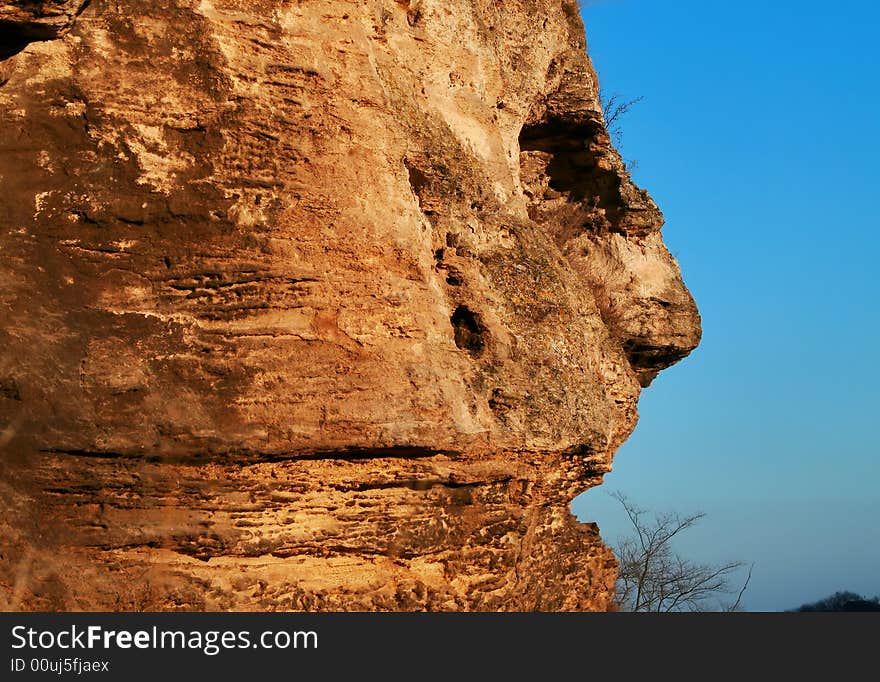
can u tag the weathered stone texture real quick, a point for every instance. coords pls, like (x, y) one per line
(315, 305)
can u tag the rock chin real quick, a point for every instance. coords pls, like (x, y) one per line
(326, 306)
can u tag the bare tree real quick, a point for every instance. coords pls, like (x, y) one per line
(613, 109)
(654, 577)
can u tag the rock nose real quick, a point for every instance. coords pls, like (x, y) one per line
(578, 188)
(643, 302)
(636, 282)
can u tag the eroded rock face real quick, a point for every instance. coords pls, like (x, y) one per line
(24, 21)
(316, 305)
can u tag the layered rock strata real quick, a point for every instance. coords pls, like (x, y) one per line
(325, 305)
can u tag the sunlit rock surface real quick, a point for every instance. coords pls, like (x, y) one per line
(316, 305)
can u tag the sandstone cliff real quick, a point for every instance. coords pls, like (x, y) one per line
(325, 304)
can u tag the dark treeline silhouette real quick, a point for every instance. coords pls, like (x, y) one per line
(842, 601)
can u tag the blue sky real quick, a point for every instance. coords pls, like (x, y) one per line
(759, 138)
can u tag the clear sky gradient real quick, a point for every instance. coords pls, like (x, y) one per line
(759, 138)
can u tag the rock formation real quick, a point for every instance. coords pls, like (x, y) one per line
(325, 305)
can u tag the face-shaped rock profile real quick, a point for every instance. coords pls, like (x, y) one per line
(329, 305)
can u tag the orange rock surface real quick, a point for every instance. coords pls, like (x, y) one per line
(326, 305)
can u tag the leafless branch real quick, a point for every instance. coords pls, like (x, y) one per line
(613, 109)
(736, 605)
(653, 577)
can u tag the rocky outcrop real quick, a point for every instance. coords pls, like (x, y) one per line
(325, 305)
(25, 21)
